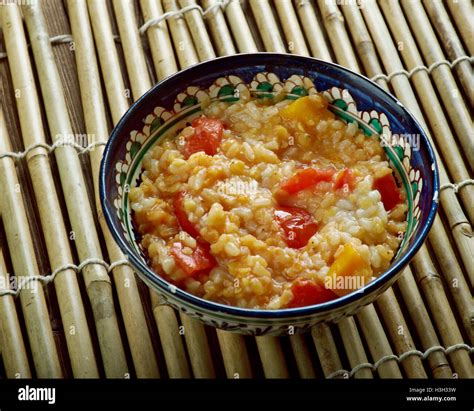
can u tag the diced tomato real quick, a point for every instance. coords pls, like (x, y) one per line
(297, 224)
(345, 178)
(387, 186)
(306, 178)
(207, 136)
(200, 262)
(181, 216)
(306, 292)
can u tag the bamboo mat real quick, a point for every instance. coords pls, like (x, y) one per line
(72, 68)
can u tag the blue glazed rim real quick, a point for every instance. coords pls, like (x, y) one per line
(206, 72)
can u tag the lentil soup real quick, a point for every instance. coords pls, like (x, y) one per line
(262, 205)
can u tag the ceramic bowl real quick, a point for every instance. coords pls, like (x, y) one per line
(174, 101)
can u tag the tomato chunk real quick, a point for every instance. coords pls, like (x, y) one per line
(181, 216)
(297, 224)
(201, 261)
(387, 186)
(345, 178)
(306, 292)
(306, 178)
(207, 136)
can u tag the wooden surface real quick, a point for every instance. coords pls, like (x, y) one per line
(123, 330)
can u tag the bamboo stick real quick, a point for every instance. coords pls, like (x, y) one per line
(129, 36)
(461, 11)
(334, 23)
(272, 358)
(202, 42)
(20, 245)
(108, 58)
(96, 278)
(420, 318)
(302, 357)
(462, 233)
(442, 75)
(397, 330)
(452, 46)
(353, 346)
(15, 359)
(363, 43)
(412, 58)
(430, 282)
(240, 28)
(372, 329)
(326, 349)
(171, 340)
(234, 354)
(96, 124)
(73, 316)
(196, 339)
(159, 38)
(294, 36)
(181, 37)
(267, 26)
(198, 348)
(423, 264)
(219, 31)
(313, 32)
(453, 275)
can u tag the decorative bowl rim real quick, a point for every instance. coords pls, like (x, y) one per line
(194, 301)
